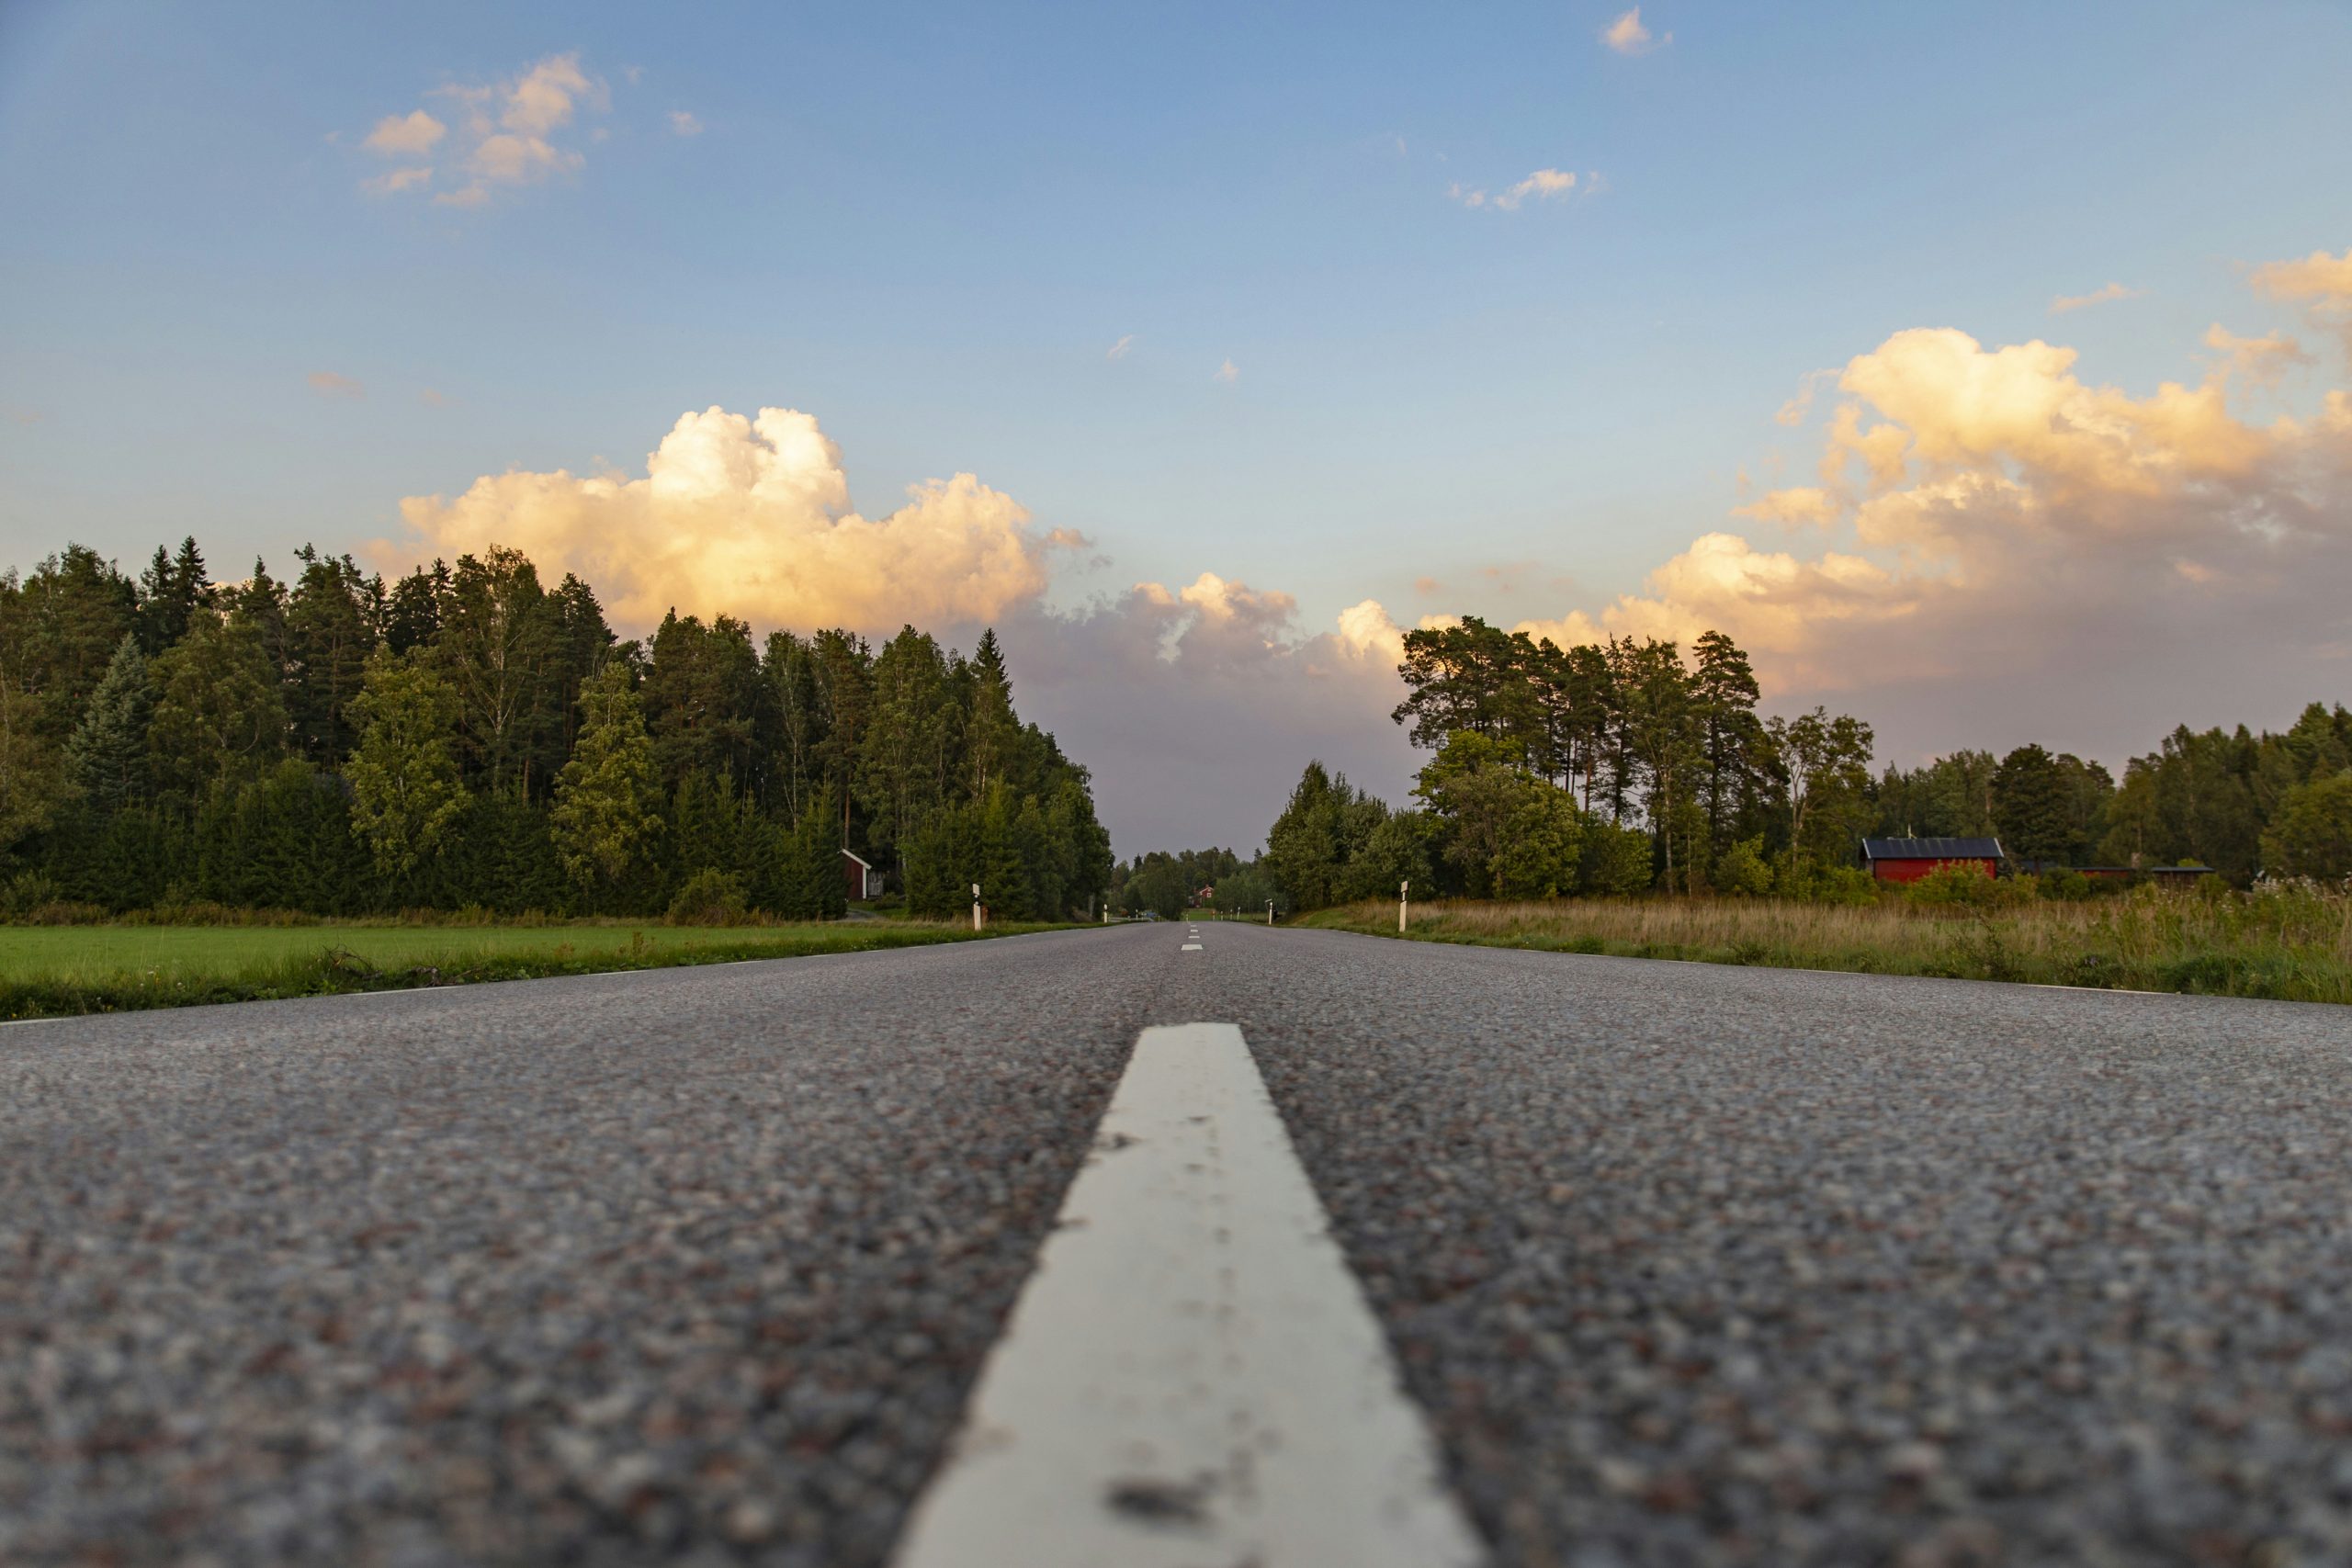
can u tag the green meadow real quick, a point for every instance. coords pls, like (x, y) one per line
(62, 970)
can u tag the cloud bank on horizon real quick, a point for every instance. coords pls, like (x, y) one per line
(2037, 551)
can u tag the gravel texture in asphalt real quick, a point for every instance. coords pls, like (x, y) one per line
(1687, 1265)
(1697, 1265)
(687, 1264)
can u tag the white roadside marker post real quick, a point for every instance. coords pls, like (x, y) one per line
(1270, 911)
(976, 906)
(1402, 889)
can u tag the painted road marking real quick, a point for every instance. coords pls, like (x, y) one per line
(1192, 947)
(1191, 1375)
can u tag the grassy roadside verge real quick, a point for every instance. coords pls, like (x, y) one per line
(2294, 944)
(48, 972)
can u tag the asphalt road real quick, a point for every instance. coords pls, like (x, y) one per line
(1685, 1264)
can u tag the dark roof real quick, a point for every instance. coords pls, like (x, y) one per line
(1931, 849)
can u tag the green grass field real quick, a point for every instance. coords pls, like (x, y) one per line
(53, 970)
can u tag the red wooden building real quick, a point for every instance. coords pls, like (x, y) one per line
(859, 878)
(1909, 859)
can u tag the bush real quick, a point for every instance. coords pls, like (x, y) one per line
(1614, 859)
(1967, 887)
(2064, 884)
(2310, 833)
(1741, 870)
(65, 913)
(1801, 876)
(711, 898)
(28, 891)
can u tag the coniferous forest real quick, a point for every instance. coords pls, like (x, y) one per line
(470, 737)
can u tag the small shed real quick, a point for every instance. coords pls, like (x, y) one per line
(859, 877)
(1909, 859)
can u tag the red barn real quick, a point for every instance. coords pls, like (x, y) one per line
(1909, 859)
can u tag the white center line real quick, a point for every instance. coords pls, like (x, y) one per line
(1192, 947)
(1190, 1376)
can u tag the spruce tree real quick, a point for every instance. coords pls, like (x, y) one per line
(170, 591)
(1003, 873)
(107, 757)
(606, 816)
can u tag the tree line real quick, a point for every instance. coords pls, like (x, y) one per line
(465, 736)
(1627, 764)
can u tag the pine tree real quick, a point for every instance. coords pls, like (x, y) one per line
(606, 816)
(107, 757)
(1733, 741)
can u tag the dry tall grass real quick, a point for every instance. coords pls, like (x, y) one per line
(2292, 943)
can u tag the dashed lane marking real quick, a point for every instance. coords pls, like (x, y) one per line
(1190, 1375)
(1192, 947)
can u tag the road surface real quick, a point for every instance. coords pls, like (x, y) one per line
(1680, 1264)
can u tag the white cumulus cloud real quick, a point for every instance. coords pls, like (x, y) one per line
(749, 516)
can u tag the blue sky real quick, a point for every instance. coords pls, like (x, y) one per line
(927, 227)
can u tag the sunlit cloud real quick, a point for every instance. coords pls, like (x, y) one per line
(405, 136)
(1227, 372)
(2315, 278)
(1803, 504)
(328, 384)
(2106, 293)
(1626, 35)
(684, 123)
(1542, 186)
(1119, 349)
(391, 182)
(750, 516)
(2320, 283)
(502, 135)
(2256, 361)
(1793, 411)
